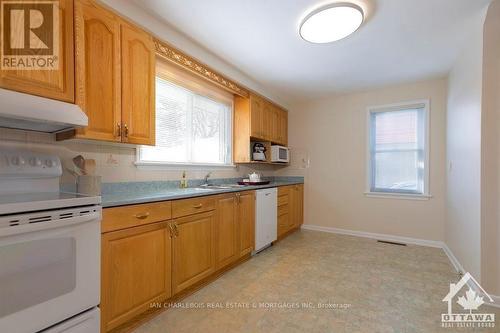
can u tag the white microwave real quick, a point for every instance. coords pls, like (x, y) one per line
(280, 154)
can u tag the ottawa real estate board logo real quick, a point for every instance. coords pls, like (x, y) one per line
(29, 35)
(471, 317)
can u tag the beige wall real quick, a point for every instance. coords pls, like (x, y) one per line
(463, 229)
(332, 134)
(490, 159)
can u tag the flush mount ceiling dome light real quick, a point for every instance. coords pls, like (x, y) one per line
(331, 23)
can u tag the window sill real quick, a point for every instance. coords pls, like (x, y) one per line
(182, 166)
(398, 196)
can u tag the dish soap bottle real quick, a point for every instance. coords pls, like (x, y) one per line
(184, 182)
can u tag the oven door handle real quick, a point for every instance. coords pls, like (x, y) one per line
(41, 226)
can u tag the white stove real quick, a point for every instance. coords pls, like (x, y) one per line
(49, 249)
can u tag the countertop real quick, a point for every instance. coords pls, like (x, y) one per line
(121, 194)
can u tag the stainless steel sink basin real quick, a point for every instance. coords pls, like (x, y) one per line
(220, 186)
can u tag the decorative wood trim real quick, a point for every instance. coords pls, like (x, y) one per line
(170, 53)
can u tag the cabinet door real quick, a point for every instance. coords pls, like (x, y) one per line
(283, 127)
(296, 205)
(256, 117)
(193, 248)
(267, 115)
(246, 220)
(284, 211)
(275, 125)
(58, 83)
(138, 86)
(136, 270)
(98, 79)
(226, 231)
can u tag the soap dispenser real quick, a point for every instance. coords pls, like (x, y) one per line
(184, 183)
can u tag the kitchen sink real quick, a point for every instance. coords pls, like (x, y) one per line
(219, 186)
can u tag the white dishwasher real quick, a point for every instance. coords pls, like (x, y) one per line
(266, 217)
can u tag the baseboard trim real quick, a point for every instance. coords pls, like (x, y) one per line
(408, 240)
(454, 261)
(384, 237)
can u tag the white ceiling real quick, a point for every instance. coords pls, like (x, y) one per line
(401, 41)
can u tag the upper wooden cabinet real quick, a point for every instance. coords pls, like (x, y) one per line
(257, 119)
(138, 86)
(58, 83)
(98, 75)
(115, 76)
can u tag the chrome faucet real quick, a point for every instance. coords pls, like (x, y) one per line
(206, 178)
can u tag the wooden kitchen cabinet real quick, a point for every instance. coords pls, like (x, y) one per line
(136, 270)
(283, 210)
(256, 119)
(138, 86)
(58, 83)
(282, 137)
(246, 221)
(98, 74)
(227, 230)
(115, 77)
(193, 249)
(296, 193)
(290, 208)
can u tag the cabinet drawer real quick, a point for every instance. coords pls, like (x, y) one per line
(192, 206)
(283, 200)
(283, 190)
(130, 216)
(282, 210)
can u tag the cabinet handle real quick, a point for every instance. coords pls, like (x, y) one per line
(176, 230)
(172, 232)
(125, 130)
(238, 198)
(119, 130)
(142, 216)
(198, 206)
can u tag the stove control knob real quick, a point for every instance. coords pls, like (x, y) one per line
(49, 163)
(34, 161)
(17, 161)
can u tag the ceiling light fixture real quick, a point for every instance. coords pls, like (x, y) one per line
(331, 23)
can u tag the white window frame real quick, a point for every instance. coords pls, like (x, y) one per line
(160, 165)
(425, 104)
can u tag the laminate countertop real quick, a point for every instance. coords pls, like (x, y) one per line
(121, 194)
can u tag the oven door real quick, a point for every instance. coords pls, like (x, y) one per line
(49, 271)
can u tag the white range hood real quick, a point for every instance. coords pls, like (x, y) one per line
(33, 113)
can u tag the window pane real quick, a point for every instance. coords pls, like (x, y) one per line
(396, 130)
(397, 171)
(208, 131)
(397, 151)
(189, 128)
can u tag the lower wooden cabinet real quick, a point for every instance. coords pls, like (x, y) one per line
(151, 252)
(193, 249)
(296, 205)
(235, 227)
(290, 208)
(136, 270)
(246, 221)
(226, 230)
